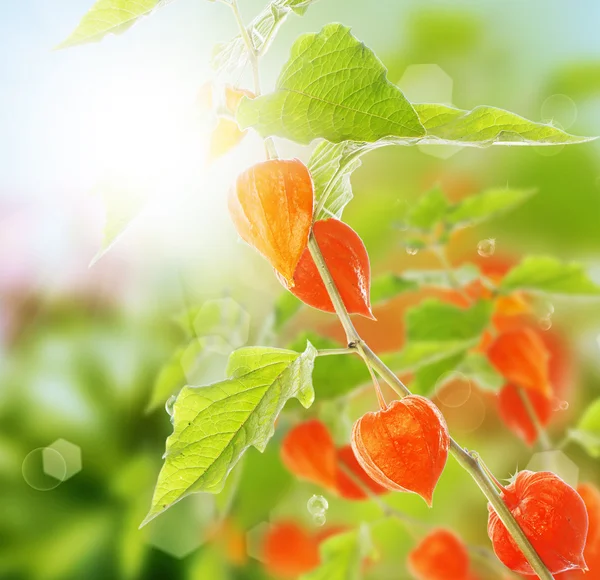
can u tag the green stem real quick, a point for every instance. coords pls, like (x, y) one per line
(440, 252)
(464, 458)
(336, 351)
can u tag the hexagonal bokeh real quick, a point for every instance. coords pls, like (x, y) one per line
(426, 83)
(70, 453)
(556, 462)
(184, 527)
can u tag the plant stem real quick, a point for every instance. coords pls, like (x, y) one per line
(464, 458)
(253, 57)
(544, 440)
(440, 252)
(336, 351)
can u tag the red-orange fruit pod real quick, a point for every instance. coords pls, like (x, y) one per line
(515, 415)
(346, 486)
(289, 551)
(403, 447)
(308, 451)
(440, 555)
(271, 207)
(347, 260)
(552, 515)
(522, 358)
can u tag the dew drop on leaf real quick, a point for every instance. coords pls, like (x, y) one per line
(546, 323)
(319, 519)
(486, 248)
(169, 405)
(317, 505)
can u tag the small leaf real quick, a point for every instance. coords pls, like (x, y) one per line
(110, 17)
(547, 274)
(429, 210)
(434, 320)
(333, 376)
(346, 257)
(266, 200)
(331, 166)
(485, 126)
(478, 369)
(232, 55)
(335, 88)
(216, 424)
(587, 433)
(342, 556)
(388, 286)
(487, 205)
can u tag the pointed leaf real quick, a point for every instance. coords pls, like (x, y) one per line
(335, 88)
(487, 205)
(110, 17)
(485, 126)
(216, 424)
(547, 274)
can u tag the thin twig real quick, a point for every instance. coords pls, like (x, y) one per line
(543, 439)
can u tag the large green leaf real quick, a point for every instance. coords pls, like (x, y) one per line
(216, 424)
(587, 433)
(110, 17)
(332, 87)
(485, 126)
(547, 274)
(232, 55)
(342, 556)
(486, 205)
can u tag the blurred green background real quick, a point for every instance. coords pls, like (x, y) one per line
(80, 348)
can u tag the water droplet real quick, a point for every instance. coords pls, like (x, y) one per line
(545, 323)
(412, 250)
(169, 405)
(400, 225)
(563, 405)
(317, 505)
(486, 248)
(319, 519)
(559, 404)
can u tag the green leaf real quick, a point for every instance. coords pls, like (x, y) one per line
(333, 376)
(342, 556)
(478, 369)
(216, 424)
(232, 55)
(434, 320)
(587, 433)
(428, 211)
(332, 87)
(110, 17)
(547, 274)
(487, 205)
(485, 126)
(388, 286)
(223, 318)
